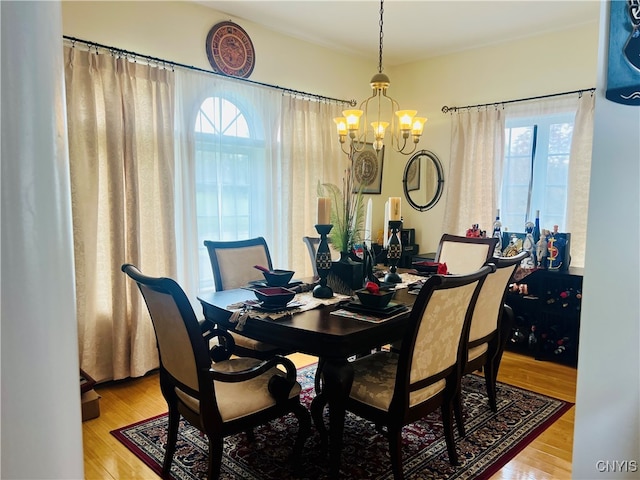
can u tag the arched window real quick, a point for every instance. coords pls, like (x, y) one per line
(229, 172)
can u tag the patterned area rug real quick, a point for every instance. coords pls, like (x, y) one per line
(491, 441)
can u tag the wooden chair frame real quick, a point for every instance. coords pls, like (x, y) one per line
(175, 389)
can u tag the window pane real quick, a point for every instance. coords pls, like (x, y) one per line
(229, 205)
(551, 136)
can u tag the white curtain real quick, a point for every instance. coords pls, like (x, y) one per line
(475, 172)
(311, 154)
(579, 178)
(192, 88)
(579, 159)
(120, 127)
(300, 151)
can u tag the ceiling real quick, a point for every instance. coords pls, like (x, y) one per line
(413, 29)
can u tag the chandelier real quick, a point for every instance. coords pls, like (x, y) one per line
(385, 112)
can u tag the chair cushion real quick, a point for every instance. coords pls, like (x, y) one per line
(238, 399)
(250, 343)
(374, 381)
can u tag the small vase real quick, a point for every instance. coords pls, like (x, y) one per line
(350, 274)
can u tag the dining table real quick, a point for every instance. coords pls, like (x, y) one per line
(321, 328)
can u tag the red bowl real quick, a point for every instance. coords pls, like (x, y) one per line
(274, 297)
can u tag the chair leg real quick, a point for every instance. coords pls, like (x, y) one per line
(215, 458)
(172, 438)
(448, 433)
(457, 410)
(317, 413)
(304, 431)
(490, 380)
(395, 451)
(318, 377)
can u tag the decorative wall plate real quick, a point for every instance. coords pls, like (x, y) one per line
(230, 50)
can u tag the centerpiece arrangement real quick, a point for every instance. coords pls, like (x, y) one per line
(347, 218)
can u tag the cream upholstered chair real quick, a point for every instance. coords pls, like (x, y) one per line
(220, 398)
(233, 263)
(490, 326)
(312, 246)
(394, 390)
(464, 254)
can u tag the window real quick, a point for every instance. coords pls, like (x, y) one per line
(536, 171)
(230, 201)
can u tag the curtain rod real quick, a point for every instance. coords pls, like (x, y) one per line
(127, 53)
(446, 109)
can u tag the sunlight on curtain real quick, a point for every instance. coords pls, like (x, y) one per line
(580, 178)
(579, 161)
(310, 154)
(120, 124)
(475, 171)
(260, 108)
(475, 174)
(294, 138)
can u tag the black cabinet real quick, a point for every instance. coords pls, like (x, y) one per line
(546, 306)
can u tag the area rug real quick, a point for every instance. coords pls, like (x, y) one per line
(492, 440)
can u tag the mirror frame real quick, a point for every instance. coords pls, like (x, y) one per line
(439, 188)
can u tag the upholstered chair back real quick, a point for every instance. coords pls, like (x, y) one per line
(491, 298)
(437, 342)
(464, 254)
(174, 346)
(233, 261)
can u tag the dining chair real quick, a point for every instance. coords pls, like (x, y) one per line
(490, 327)
(219, 395)
(312, 246)
(396, 389)
(233, 263)
(464, 254)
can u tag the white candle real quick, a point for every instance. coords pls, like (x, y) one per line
(367, 224)
(324, 211)
(385, 240)
(394, 208)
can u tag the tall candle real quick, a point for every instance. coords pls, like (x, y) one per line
(324, 211)
(394, 208)
(367, 224)
(386, 224)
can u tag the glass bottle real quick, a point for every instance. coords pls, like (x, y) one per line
(497, 233)
(536, 228)
(529, 246)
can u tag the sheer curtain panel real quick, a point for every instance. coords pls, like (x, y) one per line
(120, 127)
(475, 172)
(310, 154)
(579, 159)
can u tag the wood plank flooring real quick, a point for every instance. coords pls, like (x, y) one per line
(548, 457)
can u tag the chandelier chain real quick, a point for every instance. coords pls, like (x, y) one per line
(381, 37)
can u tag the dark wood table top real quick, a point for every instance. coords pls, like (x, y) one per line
(314, 332)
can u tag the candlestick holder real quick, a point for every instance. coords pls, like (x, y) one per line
(323, 263)
(394, 252)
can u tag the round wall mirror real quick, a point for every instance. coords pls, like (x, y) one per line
(423, 180)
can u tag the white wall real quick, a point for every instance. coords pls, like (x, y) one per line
(41, 421)
(607, 422)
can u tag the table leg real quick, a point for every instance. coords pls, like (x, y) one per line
(337, 378)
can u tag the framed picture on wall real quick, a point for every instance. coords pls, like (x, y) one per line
(367, 170)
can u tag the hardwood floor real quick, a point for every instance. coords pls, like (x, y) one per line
(548, 457)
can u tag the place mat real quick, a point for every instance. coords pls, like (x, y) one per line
(368, 317)
(390, 309)
(304, 301)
